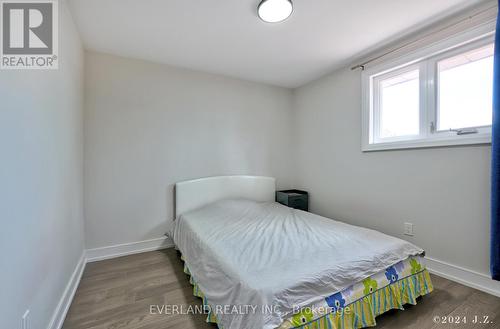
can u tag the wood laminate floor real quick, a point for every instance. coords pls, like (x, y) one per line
(119, 293)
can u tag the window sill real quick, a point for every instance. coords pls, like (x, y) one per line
(429, 143)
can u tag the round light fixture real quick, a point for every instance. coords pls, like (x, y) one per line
(274, 11)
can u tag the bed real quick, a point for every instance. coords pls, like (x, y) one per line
(258, 264)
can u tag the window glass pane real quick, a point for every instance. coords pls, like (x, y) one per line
(399, 105)
(466, 89)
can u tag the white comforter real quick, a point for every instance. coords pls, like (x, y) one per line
(247, 253)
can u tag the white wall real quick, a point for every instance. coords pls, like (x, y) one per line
(41, 143)
(444, 192)
(148, 126)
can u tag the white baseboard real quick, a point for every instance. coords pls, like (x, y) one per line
(69, 292)
(92, 255)
(463, 276)
(102, 253)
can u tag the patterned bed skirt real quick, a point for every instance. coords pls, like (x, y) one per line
(370, 302)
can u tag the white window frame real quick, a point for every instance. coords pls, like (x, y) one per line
(425, 59)
(375, 114)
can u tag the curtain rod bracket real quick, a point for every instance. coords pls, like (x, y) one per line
(362, 67)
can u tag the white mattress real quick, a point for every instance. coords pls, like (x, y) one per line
(248, 253)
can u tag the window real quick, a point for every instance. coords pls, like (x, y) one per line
(465, 89)
(399, 105)
(444, 97)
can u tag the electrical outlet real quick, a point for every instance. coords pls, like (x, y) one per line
(408, 229)
(25, 320)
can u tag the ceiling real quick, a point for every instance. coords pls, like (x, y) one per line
(227, 37)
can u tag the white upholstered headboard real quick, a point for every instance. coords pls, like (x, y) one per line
(195, 193)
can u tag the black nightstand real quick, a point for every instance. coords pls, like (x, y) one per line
(294, 199)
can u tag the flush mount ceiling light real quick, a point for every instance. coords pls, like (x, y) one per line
(274, 11)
